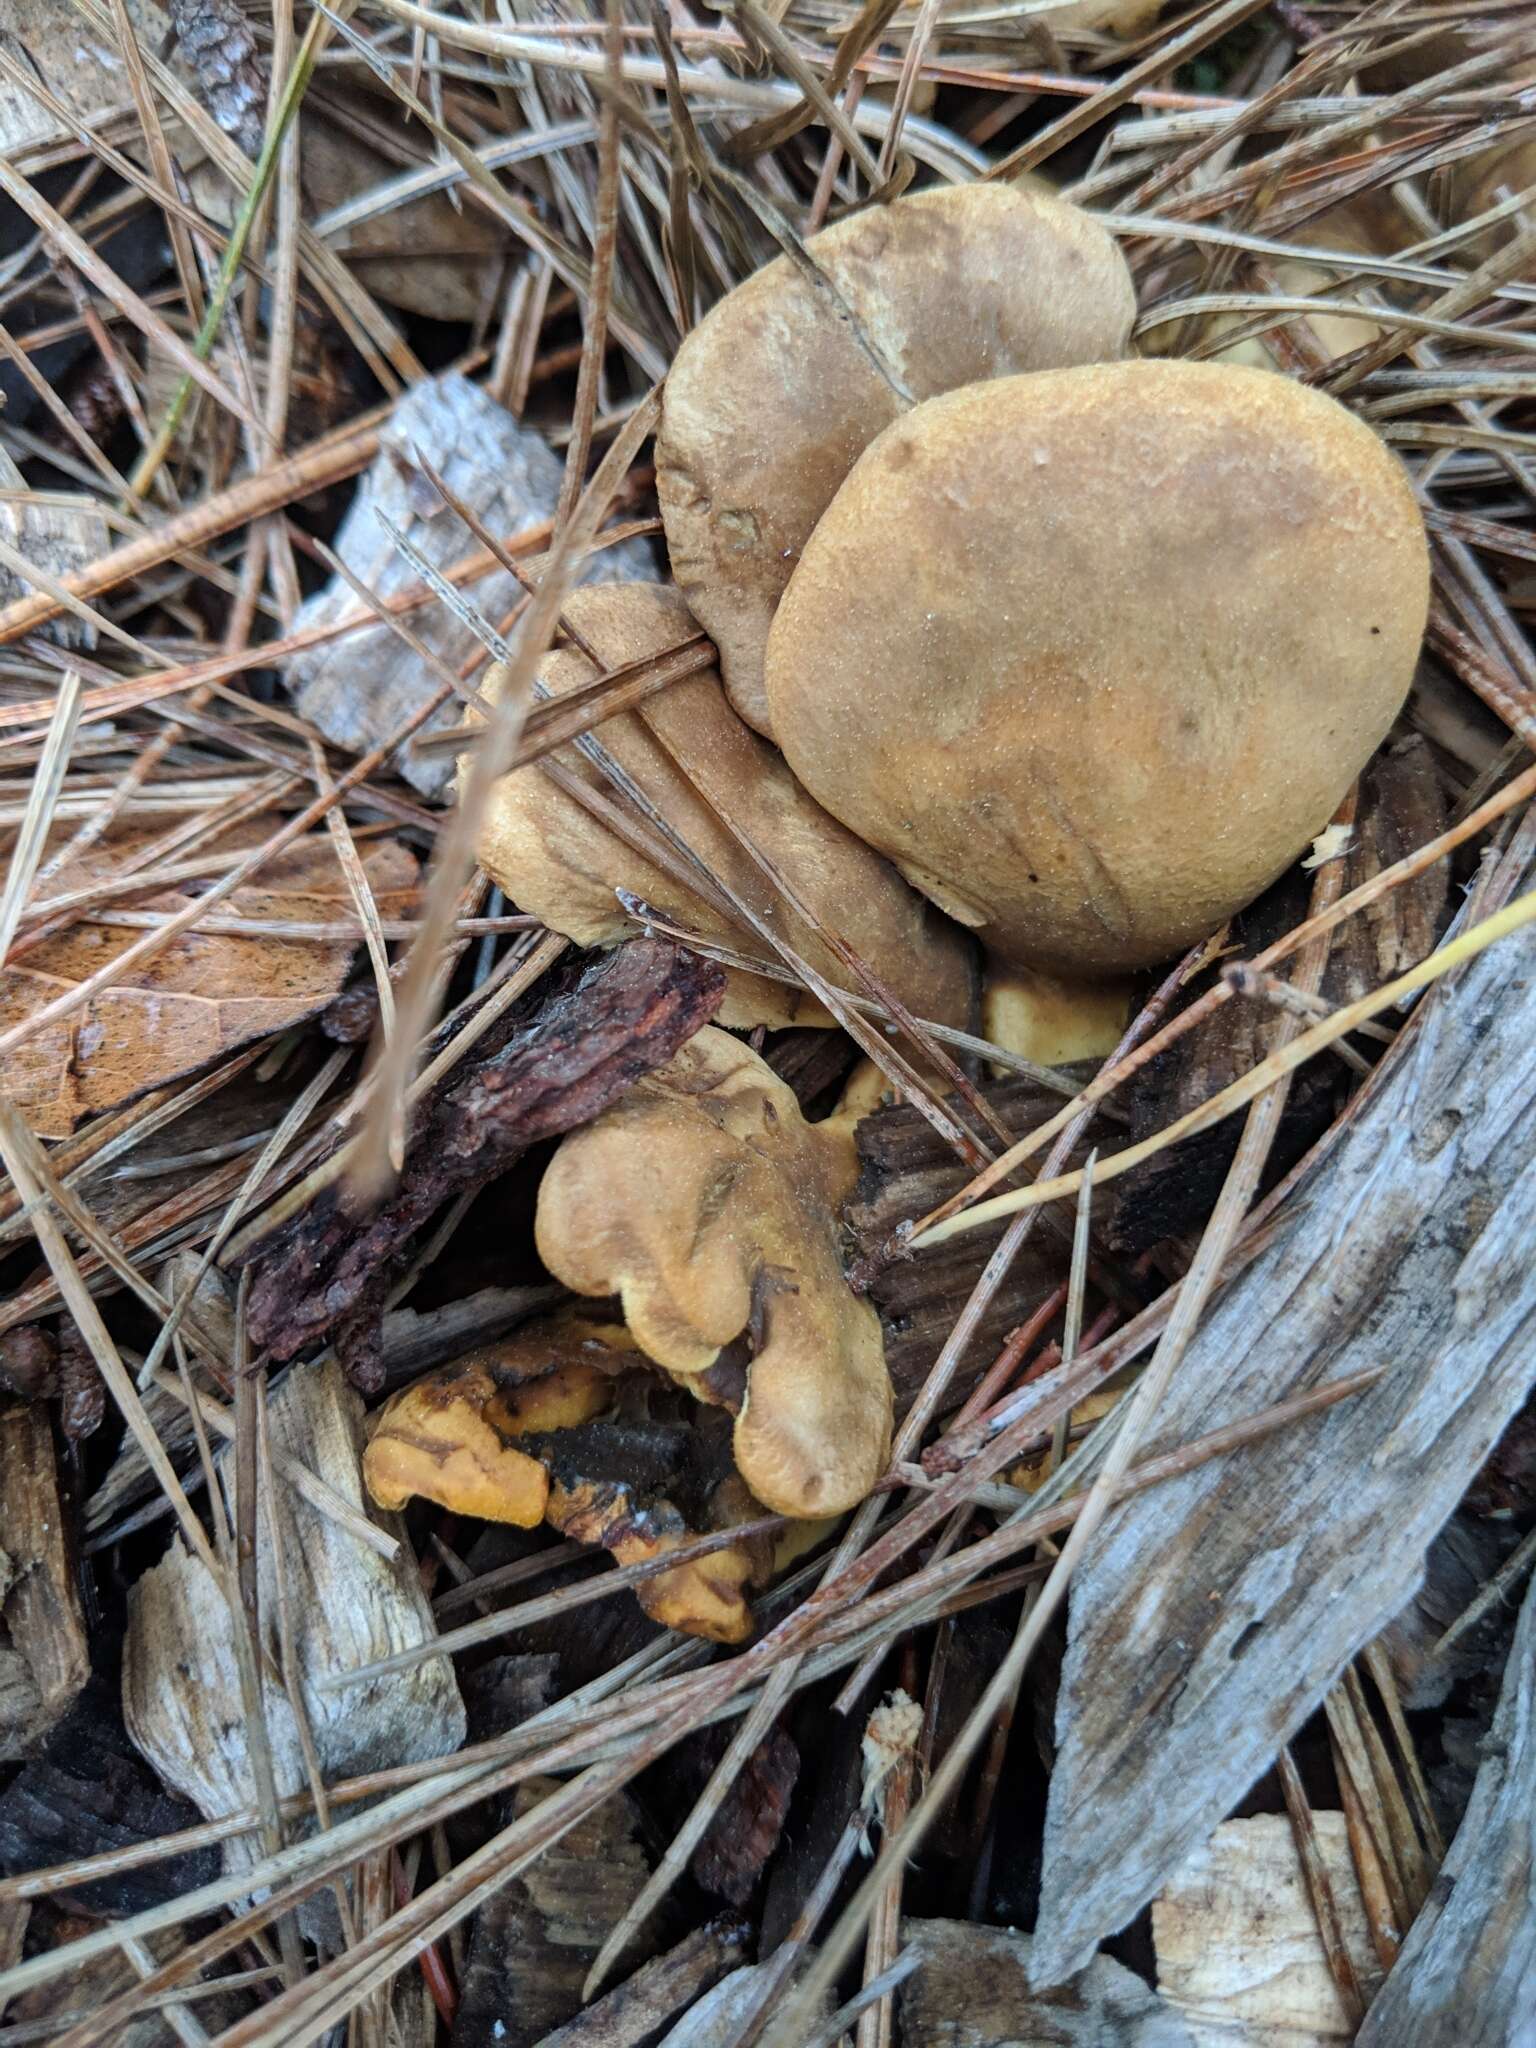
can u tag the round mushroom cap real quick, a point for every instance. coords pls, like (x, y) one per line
(774, 396)
(1094, 654)
(687, 750)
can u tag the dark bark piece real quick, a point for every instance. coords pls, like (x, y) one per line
(82, 1390)
(1212, 1614)
(632, 2014)
(88, 1794)
(44, 1661)
(1466, 1977)
(220, 51)
(506, 1691)
(624, 1014)
(972, 1990)
(743, 1835)
(907, 1169)
(28, 1357)
(534, 1941)
(1400, 809)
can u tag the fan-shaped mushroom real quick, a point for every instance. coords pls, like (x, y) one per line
(775, 394)
(1093, 654)
(688, 751)
(710, 1207)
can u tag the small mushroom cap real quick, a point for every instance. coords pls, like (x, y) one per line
(451, 1435)
(771, 398)
(708, 1204)
(554, 859)
(1093, 655)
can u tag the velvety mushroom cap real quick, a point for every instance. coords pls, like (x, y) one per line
(685, 745)
(1093, 655)
(773, 397)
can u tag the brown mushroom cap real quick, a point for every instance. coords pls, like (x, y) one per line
(708, 1204)
(1094, 654)
(554, 859)
(772, 398)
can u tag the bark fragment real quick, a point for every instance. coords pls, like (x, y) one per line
(626, 1013)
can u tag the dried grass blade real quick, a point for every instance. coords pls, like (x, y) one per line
(47, 782)
(453, 856)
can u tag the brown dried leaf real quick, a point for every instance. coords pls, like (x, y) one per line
(204, 994)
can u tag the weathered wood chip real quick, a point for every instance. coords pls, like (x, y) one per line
(1213, 1613)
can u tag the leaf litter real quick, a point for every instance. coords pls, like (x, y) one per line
(235, 238)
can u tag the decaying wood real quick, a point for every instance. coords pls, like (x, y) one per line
(1239, 1956)
(348, 1606)
(535, 1940)
(90, 1793)
(358, 689)
(59, 537)
(205, 994)
(78, 66)
(907, 1170)
(716, 2020)
(44, 1657)
(1400, 808)
(629, 2016)
(1466, 1977)
(626, 1013)
(1213, 1615)
(972, 1990)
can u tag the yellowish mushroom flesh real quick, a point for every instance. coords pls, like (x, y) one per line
(707, 1203)
(1049, 1020)
(1094, 654)
(776, 393)
(698, 763)
(449, 1437)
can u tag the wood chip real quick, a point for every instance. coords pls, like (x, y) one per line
(349, 1606)
(359, 688)
(534, 1941)
(1467, 1972)
(972, 1991)
(59, 538)
(1214, 1613)
(629, 2016)
(44, 1659)
(78, 65)
(1238, 1951)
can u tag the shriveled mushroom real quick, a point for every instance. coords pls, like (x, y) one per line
(453, 1435)
(687, 750)
(774, 395)
(708, 1204)
(1092, 655)
(703, 1596)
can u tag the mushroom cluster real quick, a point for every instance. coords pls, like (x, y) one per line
(1036, 662)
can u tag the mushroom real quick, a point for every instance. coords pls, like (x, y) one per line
(1050, 1020)
(745, 1242)
(1093, 654)
(687, 750)
(773, 396)
(704, 1596)
(452, 1436)
(554, 1425)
